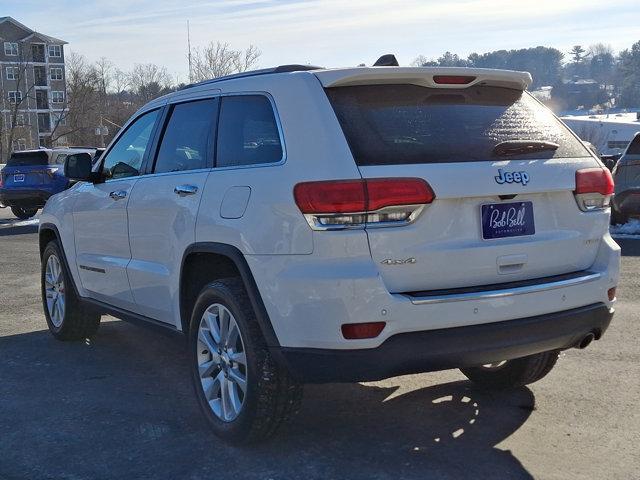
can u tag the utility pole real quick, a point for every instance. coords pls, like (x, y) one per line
(189, 52)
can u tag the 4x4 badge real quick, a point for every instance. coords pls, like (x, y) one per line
(399, 261)
(512, 177)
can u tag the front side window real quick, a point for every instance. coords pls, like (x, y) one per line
(15, 96)
(55, 51)
(11, 49)
(126, 156)
(55, 74)
(184, 144)
(57, 97)
(247, 133)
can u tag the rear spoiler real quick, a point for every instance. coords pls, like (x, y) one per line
(445, 77)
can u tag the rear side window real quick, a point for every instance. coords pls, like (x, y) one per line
(185, 141)
(409, 124)
(247, 132)
(27, 159)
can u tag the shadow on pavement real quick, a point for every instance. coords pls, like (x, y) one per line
(121, 406)
(15, 226)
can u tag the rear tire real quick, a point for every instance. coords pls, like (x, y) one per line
(513, 373)
(618, 218)
(67, 317)
(24, 213)
(223, 359)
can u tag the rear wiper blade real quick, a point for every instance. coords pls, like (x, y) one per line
(516, 147)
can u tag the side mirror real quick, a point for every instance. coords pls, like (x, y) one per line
(78, 166)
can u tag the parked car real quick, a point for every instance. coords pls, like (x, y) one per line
(301, 225)
(30, 177)
(626, 173)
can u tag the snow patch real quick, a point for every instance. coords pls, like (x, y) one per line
(631, 229)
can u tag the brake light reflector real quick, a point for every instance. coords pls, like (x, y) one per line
(355, 331)
(594, 188)
(453, 79)
(337, 204)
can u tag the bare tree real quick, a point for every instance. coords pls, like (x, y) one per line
(219, 59)
(148, 81)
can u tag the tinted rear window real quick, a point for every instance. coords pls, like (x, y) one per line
(24, 159)
(403, 124)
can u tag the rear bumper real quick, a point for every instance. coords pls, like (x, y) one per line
(446, 348)
(28, 198)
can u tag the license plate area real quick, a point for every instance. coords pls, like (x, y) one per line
(503, 220)
(18, 177)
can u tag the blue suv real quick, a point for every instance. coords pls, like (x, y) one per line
(30, 177)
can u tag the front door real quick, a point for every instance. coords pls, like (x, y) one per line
(100, 216)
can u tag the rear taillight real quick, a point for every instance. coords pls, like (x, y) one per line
(376, 202)
(594, 188)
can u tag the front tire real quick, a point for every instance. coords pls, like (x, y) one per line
(512, 374)
(67, 318)
(24, 213)
(243, 393)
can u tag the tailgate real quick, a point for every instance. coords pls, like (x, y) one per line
(503, 170)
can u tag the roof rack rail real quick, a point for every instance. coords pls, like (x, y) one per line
(79, 146)
(254, 73)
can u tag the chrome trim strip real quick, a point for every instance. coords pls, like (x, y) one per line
(508, 292)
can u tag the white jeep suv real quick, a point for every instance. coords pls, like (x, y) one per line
(301, 224)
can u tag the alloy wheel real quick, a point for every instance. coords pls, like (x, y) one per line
(222, 362)
(54, 290)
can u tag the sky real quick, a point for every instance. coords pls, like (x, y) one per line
(331, 33)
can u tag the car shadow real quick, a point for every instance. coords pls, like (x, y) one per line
(121, 406)
(15, 226)
(629, 247)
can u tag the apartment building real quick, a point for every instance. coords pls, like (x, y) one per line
(33, 87)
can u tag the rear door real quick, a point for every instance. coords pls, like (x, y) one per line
(502, 212)
(164, 205)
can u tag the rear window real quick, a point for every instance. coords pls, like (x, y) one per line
(25, 159)
(409, 124)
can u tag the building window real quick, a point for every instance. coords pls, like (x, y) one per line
(19, 144)
(55, 73)
(15, 96)
(13, 73)
(55, 51)
(58, 120)
(11, 49)
(57, 97)
(19, 120)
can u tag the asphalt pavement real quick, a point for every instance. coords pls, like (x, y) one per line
(121, 406)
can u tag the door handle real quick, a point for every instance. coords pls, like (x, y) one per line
(184, 190)
(118, 194)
